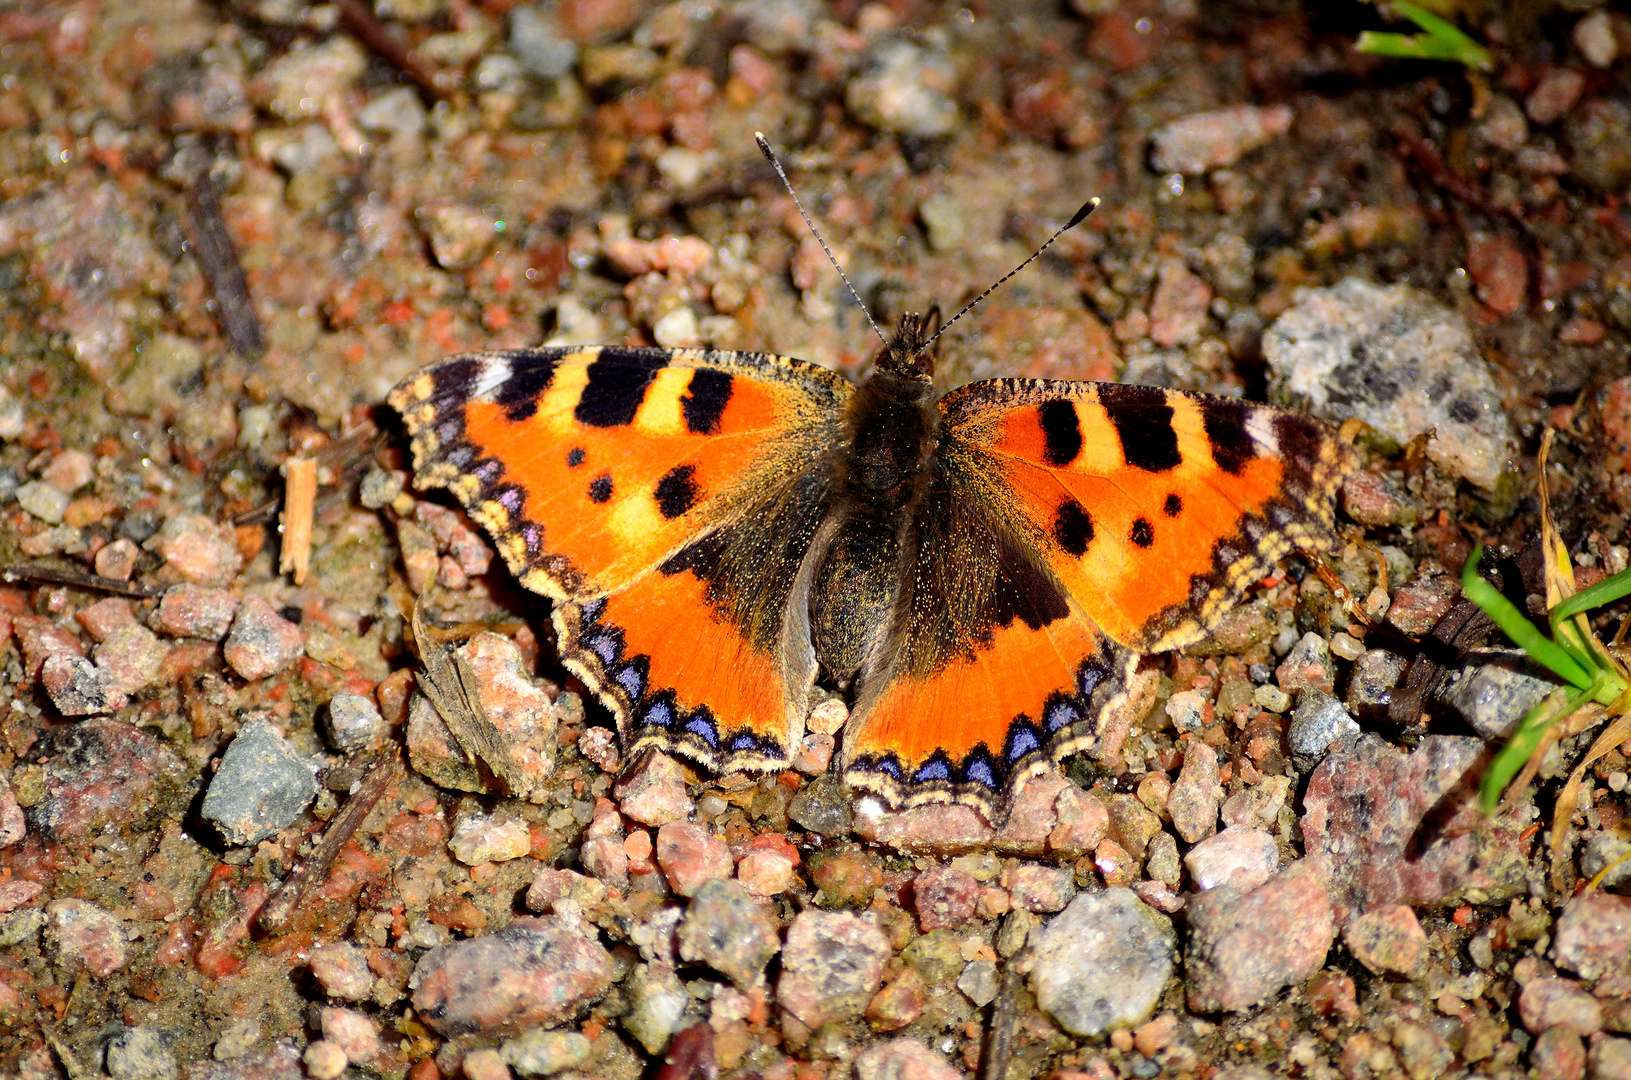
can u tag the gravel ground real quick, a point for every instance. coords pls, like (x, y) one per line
(236, 842)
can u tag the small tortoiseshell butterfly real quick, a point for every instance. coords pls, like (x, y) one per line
(980, 570)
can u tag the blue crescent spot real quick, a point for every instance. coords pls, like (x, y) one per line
(659, 714)
(629, 679)
(591, 610)
(1060, 716)
(705, 729)
(1090, 676)
(744, 741)
(933, 770)
(511, 500)
(980, 772)
(602, 646)
(1022, 742)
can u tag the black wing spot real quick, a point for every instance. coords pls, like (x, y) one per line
(575, 456)
(1072, 528)
(519, 395)
(704, 400)
(677, 491)
(1143, 419)
(1173, 506)
(600, 488)
(455, 379)
(1142, 533)
(617, 385)
(1061, 430)
(1232, 445)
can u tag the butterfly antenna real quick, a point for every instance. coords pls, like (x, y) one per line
(1081, 215)
(775, 163)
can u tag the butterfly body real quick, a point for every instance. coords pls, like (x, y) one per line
(979, 572)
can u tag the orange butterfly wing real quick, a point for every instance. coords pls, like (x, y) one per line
(660, 496)
(1073, 526)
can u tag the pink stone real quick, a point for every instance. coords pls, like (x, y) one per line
(17, 892)
(690, 855)
(944, 897)
(1201, 142)
(105, 616)
(1083, 822)
(1388, 939)
(353, 1032)
(1593, 935)
(653, 791)
(831, 966)
(1552, 1002)
(1239, 857)
(201, 551)
(41, 638)
(766, 869)
(1554, 96)
(85, 937)
(262, 642)
(1244, 949)
(1041, 888)
(341, 969)
(1178, 312)
(533, 972)
(904, 1059)
(197, 611)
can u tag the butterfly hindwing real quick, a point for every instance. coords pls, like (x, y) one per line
(664, 498)
(990, 671)
(1155, 508)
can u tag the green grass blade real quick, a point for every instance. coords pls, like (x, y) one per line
(1525, 740)
(1442, 40)
(1522, 632)
(1604, 592)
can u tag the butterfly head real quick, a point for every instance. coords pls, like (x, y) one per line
(907, 354)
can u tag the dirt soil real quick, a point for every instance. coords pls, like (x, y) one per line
(228, 229)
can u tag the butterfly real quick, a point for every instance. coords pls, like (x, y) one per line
(979, 571)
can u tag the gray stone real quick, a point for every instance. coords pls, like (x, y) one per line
(43, 501)
(544, 1053)
(139, 1053)
(1603, 850)
(353, 721)
(1370, 686)
(540, 44)
(262, 786)
(727, 930)
(1492, 689)
(395, 112)
(1102, 962)
(904, 88)
(1317, 723)
(979, 981)
(659, 1001)
(1398, 360)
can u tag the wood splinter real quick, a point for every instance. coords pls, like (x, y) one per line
(299, 498)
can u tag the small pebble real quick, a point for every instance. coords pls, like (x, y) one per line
(1102, 963)
(324, 1060)
(654, 792)
(353, 721)
(545, 1053)
(353, 1032)
(1319, 724)
(1243, 949)
(341, 969)
(1593, 936)
(479, 838)
(832, 964)
(1345, 647)
(117, 560)
(43, 501)
(82, 937)
(261, 786)
(1042, 888)
(1202, 142)
(532, 972)
(690, 855)
(1196, 794)
(725, 928)
(80, 688)
(140, 1053)
(1239, 857)
(262, 642)
(1388, 939)
(196, 611)
(1552, 1002)
(484, 1064)
(904, 1059)
(1594, 36)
